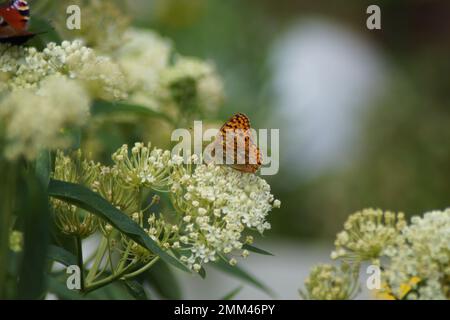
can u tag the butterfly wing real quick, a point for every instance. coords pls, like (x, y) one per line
(17, 39)
(16, 15)
(248, 159)
(235, 136)
(14, 18)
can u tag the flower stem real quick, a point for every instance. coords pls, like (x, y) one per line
(98, 259)
(106, 281)
(143, 269)
(79, 247)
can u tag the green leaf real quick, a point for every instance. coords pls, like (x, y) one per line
(106, 107)
(43, 167)
(232, 293)
(57, 286)
(135, 289)
(8, 195)
(256, 250)
(94, 203)
(162, 279)
(240, 273)
(33, 208)
(61, 255)
(45, 33)
(112, 291)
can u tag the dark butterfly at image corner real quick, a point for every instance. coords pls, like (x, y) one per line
(14, 20)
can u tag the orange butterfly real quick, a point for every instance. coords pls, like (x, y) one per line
(238, 148)
(14, 18)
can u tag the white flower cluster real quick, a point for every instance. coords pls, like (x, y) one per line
(415, 257)
(142, 57)
(139, 71)
(27, 67)
(328, 282)
(367, 234)
(33, 119)
(99, 74)
(44, 92)
(145, 57)
(147, 167)
(192, 83)
(423, 253)
(218, 204)
(103, 23)
(10, 57)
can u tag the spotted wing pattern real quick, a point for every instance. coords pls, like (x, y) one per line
(14, 18)
(235, 135)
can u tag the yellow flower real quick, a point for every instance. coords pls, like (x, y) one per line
(386, 292)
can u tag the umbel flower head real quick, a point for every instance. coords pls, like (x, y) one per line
(70, 219)
(193, 84)
(27, 67)
(143, 56)
(329, 282)
(216, 205)
(42, 93)
(367, 234)
(33, 120)
(143, 166)
(103, 23)
(422, 253)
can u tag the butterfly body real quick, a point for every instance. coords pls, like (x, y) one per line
(14, 18)
(235, 142)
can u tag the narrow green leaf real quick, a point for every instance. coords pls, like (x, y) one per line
(43, 167)
(94, 203)
(8, 194)
(240, 273)
(106, 107)
(163, 280)
(232, 294)
(256, 250)
(61, 255)
(34, 210)
(135, 289)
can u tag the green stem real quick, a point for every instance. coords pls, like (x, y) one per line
(98, 259)
(80, 260)
(124, 258)
(122, 275)
(106, 281)
(7, 191)
(121, 269)
(143, 269)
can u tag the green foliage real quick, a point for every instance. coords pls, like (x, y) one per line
(164, 281)
(92, 202)
(241, 274)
